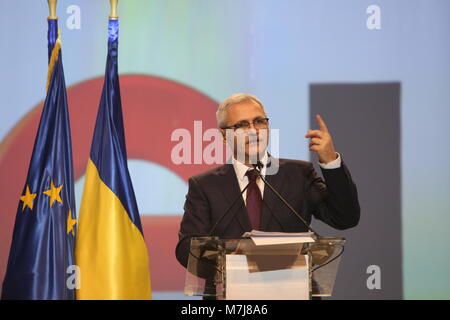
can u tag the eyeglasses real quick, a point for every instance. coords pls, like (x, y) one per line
(258, 123)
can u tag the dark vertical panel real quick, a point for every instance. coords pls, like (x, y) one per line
(364, 120)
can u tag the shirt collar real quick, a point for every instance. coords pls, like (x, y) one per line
(241, 169)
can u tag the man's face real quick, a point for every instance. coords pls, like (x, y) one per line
(249, 144)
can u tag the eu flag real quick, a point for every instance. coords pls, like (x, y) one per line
(41, 255)
(110, 248)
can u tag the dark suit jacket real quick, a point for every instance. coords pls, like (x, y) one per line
(212, 192)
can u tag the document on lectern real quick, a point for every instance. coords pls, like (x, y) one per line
(262, 238)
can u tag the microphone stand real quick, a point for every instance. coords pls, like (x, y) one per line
(258, 167)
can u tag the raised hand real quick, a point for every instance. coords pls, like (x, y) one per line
(321, 142)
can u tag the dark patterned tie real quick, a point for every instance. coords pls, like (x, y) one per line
(254, 200)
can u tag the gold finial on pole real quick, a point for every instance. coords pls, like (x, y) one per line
(113, 4)
(52, 9)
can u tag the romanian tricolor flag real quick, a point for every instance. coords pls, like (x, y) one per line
(41, 262)
(110, 248)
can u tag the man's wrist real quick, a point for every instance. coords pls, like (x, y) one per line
(334, 164)
(328, 158)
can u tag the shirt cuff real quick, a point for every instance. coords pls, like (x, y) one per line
(332, 164)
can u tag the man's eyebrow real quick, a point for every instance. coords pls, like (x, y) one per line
(258, 117)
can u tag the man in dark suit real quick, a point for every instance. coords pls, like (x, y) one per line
(211, 193)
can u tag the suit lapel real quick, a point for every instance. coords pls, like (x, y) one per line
(231, 191)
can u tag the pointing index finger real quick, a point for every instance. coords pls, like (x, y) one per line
(322, 125)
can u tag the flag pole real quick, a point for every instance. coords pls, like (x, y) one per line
(52, 9)
(113, 4)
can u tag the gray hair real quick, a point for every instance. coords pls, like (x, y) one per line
(236, 98)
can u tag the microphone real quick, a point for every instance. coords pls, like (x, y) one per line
(258, 166)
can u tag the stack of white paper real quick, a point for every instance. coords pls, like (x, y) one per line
(261, 238)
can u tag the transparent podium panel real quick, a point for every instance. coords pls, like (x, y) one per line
(295, 270)
(325, 255)
(205, 274)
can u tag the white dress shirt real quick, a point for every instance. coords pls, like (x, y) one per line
(241, 169)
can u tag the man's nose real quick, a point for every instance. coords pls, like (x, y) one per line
(252, 129)
(251, 125)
